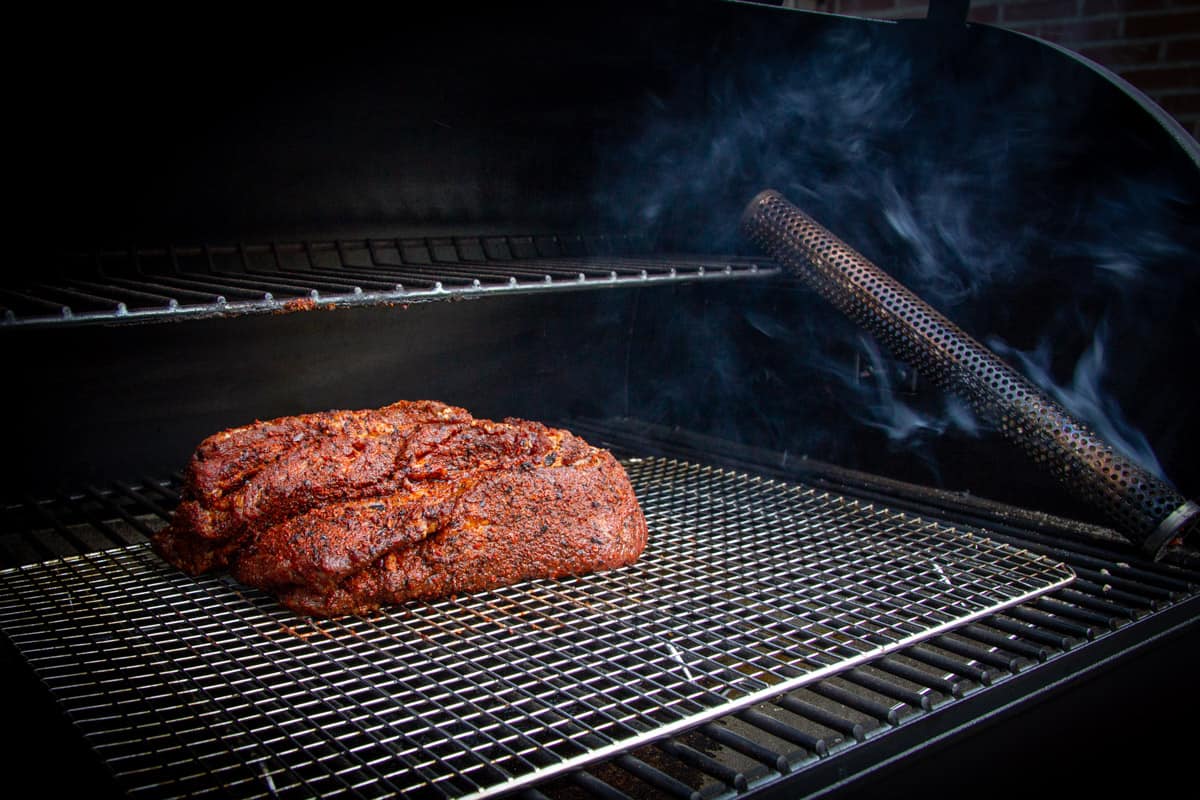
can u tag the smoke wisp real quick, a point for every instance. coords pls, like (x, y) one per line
(966, 188)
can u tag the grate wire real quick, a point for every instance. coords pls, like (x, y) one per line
(147, 284)
(750, 587)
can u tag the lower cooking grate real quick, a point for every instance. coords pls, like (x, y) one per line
(750, 586)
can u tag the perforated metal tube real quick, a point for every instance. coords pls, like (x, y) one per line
(1144, 508)
(750, 587)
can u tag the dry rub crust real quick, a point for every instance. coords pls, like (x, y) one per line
(346, 511)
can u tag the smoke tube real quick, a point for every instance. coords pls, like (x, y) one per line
(1140, 505)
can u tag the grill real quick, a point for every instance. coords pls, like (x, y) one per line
(752, 587)
(757, 637)
(533, 212)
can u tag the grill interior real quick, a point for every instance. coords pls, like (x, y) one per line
(375, 168)
(751, 587)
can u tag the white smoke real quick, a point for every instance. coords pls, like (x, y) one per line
(967, 217)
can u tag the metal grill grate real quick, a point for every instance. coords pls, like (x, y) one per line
(149, 284)
(751, 586)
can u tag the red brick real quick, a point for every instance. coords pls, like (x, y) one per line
(1149, 79)
(1093, 8)
(988, 14)
(1169, 23)
(907, 9)
(863, 6)
(1038, 9)
(1114, 55)
(1183, 50)
(1023, 27)
(1075, 32)
(1180, 104)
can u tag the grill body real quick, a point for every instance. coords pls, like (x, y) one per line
(515, 195)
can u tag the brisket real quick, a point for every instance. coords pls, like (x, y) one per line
(346, 511)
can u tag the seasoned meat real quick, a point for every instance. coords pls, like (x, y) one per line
(346, 511)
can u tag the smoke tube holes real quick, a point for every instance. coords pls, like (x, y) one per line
(953, 361)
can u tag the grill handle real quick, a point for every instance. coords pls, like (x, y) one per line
(1140, 505)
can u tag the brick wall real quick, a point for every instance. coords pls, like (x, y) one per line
(1154, 44)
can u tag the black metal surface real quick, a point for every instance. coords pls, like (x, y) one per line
(477, 124)
(1148, 510)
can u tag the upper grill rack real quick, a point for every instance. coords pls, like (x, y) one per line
(153, 284)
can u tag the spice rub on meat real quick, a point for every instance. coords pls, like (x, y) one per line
(345, 511)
